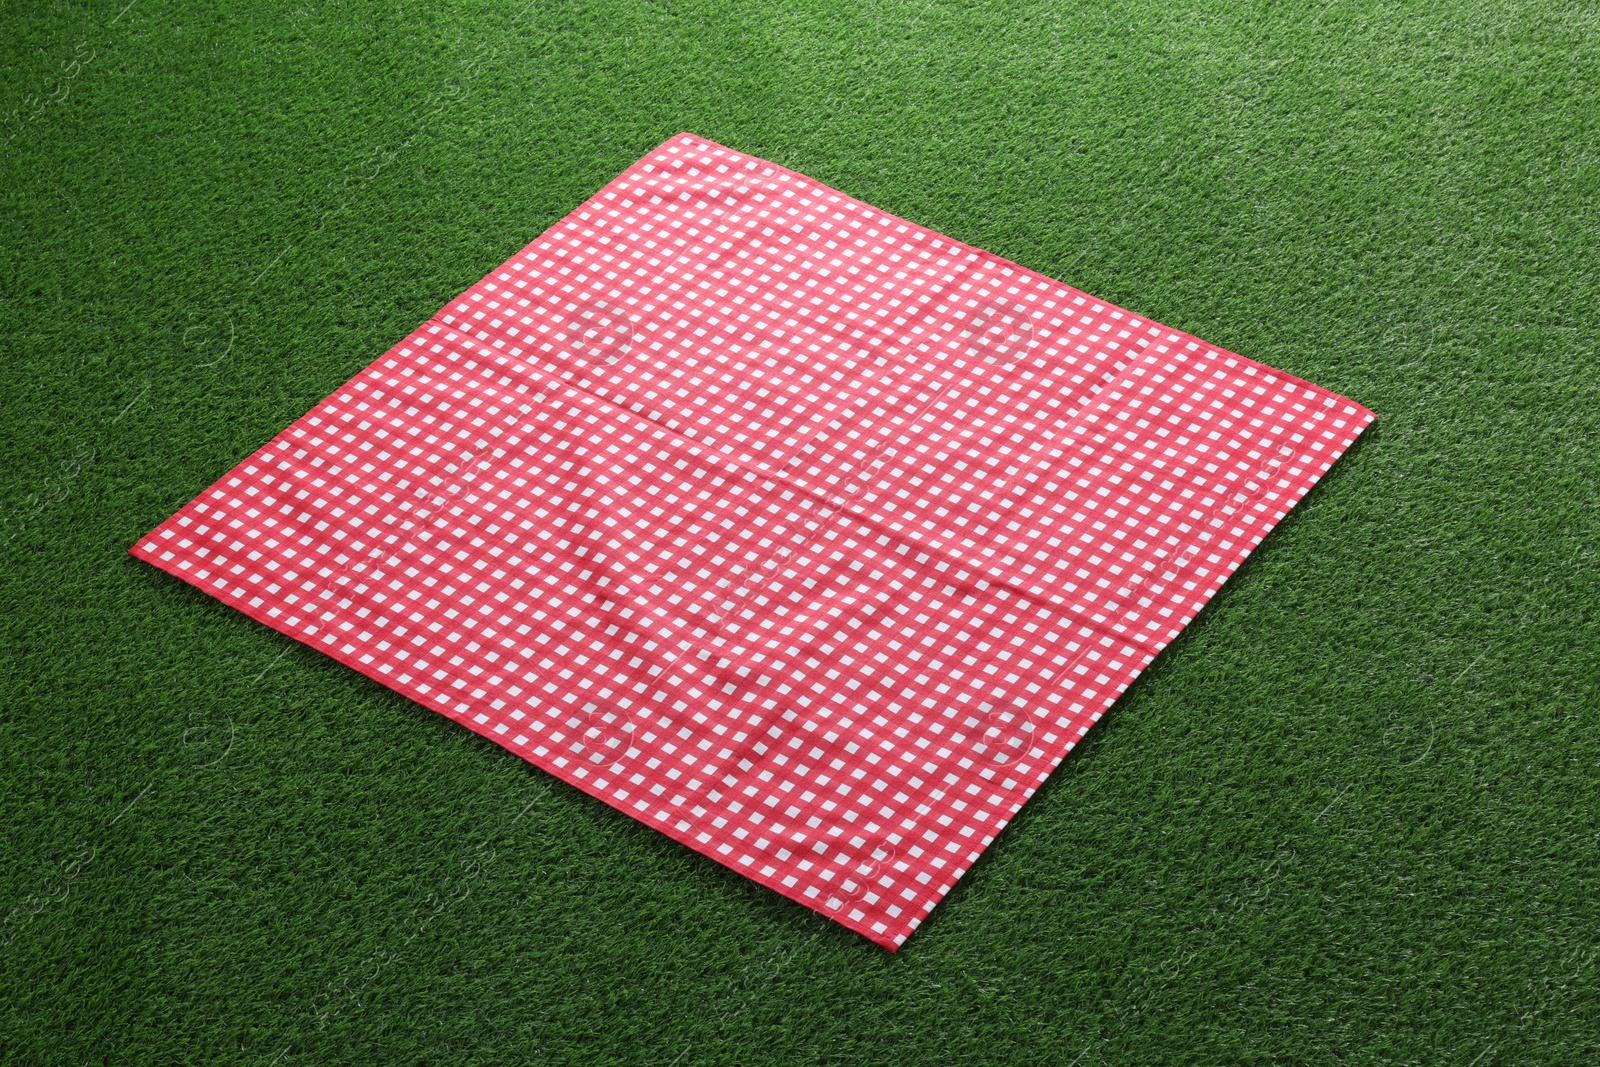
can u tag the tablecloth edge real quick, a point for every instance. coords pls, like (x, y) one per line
(884, 940)
(1003, 261)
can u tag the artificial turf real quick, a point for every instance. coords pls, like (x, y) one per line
(1350, 816)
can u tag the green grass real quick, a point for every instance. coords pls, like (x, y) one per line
(1351, 816)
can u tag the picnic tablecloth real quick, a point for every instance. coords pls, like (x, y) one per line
(808, 536)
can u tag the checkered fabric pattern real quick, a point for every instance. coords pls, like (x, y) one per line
(807, 536)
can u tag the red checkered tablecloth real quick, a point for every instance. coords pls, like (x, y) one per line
(807, 536)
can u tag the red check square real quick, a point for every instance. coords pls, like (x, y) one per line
(807, 536)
